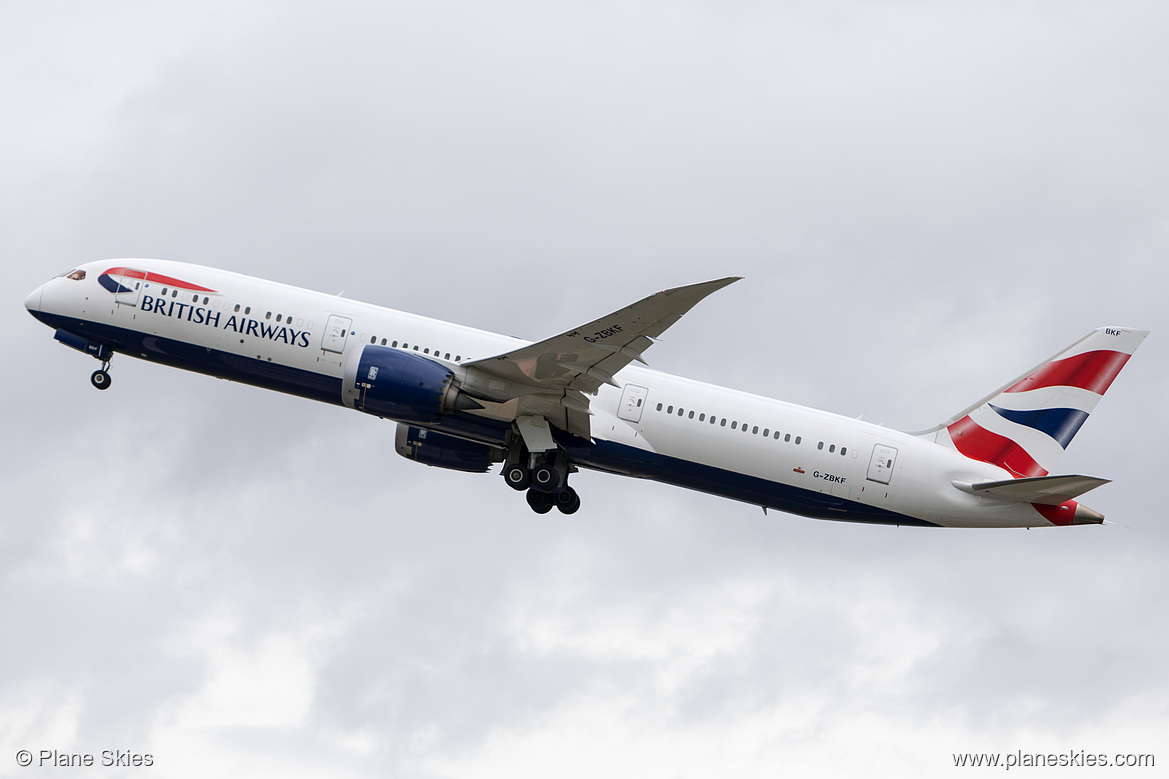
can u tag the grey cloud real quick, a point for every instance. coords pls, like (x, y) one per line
(925, 202)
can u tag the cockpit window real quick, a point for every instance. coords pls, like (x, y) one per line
(77, 275)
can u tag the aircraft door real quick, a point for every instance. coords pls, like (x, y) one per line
(130, 286)
(881, 464)
(632, 401)
(336, 331)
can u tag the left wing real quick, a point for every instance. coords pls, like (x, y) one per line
(550, 378)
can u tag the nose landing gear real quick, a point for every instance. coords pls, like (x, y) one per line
(101, 377)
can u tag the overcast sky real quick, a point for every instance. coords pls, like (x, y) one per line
(925, 199)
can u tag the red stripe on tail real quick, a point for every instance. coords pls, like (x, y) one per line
(978, 443)
(1093, 371)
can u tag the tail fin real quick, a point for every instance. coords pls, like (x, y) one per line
(1025, 426)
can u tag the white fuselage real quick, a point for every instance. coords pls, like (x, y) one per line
(689, 433)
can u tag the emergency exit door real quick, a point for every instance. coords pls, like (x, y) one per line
(632, 401)
(336, 331)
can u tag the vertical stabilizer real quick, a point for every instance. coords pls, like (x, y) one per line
(1025, 426)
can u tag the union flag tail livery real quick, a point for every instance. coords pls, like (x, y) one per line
(1025, 426)
(466, 399)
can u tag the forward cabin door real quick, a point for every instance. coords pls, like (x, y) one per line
(336, 331)
(130, 286)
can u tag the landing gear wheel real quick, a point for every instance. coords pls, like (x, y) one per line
(568, 501)
(100, 379)
(517, 476)
(547, 478)
(541, 502)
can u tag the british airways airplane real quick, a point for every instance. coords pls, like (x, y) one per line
(466, 399)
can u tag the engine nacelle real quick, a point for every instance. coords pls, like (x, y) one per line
(444, 451)
(400, 385)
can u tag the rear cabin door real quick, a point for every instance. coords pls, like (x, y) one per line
(632, 401)
(881, 464)
(336, 330)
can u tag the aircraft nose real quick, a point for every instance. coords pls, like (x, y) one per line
(33, 301)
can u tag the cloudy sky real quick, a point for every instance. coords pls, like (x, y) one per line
(925, 199)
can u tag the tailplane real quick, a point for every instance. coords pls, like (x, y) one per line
(1025, 425)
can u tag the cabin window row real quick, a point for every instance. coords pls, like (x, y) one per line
(287, 318)
(247, 310)
(373, 339)
(734, 424)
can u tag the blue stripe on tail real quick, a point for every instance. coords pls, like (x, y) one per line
(1062, 424)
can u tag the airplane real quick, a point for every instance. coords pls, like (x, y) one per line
(466, 399)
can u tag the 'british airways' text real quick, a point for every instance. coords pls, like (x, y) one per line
(239, 324)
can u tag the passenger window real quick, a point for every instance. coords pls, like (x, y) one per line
(458, 357)
(766, 432)
(237, 308)
(194, 298)
(832, 449)
(798, 439)
(205, 299)
(691, 413)
(426, 350)
(415, 347)
(447, 356)
(777, 435)
(843, 450)
(174, 293)
(659, 407)
(734, 425)
(268, 315)
(723, 423)
(248, 310)
(702, 417)
(669, 409)
(786, 439)
(383, 342)
(820, 445)
(405, 345)
(394, 344)
(164, 291)
(372, 338)
(755, 430)
(277, 317)
(680, 411)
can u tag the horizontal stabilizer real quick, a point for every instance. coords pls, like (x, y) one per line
(1044, 490)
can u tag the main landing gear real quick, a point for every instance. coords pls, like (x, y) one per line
(545, 477)
(101, 377)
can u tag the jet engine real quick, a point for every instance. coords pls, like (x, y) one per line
(444, 451)
(400, 385)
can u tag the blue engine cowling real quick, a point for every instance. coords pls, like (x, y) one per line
(444, 451)
(401, 385)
